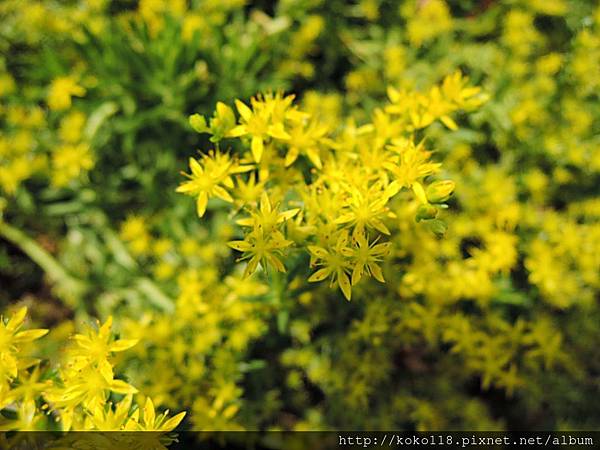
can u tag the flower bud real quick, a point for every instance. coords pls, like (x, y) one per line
(198, 123)
(437, 226)
(440, 191)
(426, 212)
(224, 117)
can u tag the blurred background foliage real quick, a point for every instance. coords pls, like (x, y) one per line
(493, 326)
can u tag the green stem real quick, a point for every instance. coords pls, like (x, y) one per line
(279, 299)
(68, 285)
(276, 282)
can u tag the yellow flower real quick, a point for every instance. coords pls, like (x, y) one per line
(306, 138)
(19, 169)
(191, 24)
(263, 121)
(366, 209)
(335, 264)
(411, 162)
(395, 62)
(365, 257)
(87, 376)
(432, 18)
(103, 418)
(71, 127)
(421, 109)
(10, 341)
(249, 192)
(69, 161)
(61, 91)
(458, 94)
(96, 346)
(133, 227)
(150, 421)
(7, 84)
(209, 178)
(267, 217)
(264, 243)
(263, 248)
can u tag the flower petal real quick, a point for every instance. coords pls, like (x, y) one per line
(244, 110)
(320, 275)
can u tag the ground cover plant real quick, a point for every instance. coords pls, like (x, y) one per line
(299, 215)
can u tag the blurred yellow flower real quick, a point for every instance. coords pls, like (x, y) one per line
(62, 90)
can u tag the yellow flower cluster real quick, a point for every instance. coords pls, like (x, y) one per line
(428, 20)
(343, 190)
(201, 370)
(26, 150)
(19, 160)
(315, 196)
(61, 91)
(77, 397)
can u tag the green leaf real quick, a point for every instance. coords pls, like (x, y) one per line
(98, 117)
